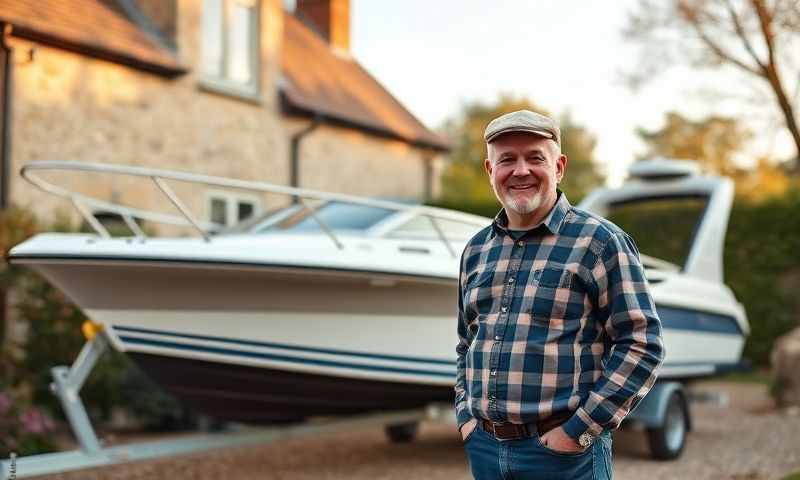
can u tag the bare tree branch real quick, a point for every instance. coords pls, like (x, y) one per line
(691, 17)
(757, 37)
(737, 24)
(774, 78)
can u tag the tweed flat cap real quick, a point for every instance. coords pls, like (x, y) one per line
(523, 121)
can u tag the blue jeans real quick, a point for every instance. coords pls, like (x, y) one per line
(527, 458)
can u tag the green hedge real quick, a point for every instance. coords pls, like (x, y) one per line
(762, 266)
(762, 262)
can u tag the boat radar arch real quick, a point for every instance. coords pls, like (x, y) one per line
(664, 178)
(661, 168)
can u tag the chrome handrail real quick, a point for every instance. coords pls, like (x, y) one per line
(160, 176)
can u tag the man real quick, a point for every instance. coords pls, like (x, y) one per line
(558, 334)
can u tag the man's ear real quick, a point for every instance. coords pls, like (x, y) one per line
(487, 165)
(561, 167)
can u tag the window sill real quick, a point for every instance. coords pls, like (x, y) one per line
(214, 85)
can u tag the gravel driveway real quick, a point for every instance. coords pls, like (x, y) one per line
(749, 439)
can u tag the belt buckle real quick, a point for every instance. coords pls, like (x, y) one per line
(494, 428)
(504, 433)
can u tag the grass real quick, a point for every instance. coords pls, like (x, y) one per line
(792, 476)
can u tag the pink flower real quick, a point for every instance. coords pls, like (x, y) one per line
(34, 421)
(5, 403)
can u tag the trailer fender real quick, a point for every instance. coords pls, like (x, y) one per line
(651, 410)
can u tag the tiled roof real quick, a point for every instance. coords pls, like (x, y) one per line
(319, 81)
(91, 27)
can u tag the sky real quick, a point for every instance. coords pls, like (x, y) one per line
(564, 55)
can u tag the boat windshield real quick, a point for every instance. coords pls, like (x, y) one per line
(336, 215)
(662, 227)
(421, 228)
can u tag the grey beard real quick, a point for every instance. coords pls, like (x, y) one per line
(520, 207)
(525, 207)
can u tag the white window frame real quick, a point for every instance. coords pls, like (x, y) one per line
(223, 83)
(232, 200)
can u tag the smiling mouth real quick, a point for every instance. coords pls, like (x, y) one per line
(520, 188)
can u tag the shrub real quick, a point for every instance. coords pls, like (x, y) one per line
(24, 429)
(762, 266)
(54, 338)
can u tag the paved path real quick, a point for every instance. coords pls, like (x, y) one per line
(747, 440)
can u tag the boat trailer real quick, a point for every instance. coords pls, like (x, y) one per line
(663, 414)
(67, 382)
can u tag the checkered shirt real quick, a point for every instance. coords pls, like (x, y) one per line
(558, 320)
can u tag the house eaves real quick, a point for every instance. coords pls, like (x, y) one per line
(91, 28)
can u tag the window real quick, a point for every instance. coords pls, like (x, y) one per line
(227, 209)
(219, 211)
(113, 223)
(229, 59)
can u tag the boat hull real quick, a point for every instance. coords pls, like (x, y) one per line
(264, 395)
(270, 343)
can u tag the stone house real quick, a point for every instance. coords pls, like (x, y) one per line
(231, 88)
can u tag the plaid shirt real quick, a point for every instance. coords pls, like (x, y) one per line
(558, 320)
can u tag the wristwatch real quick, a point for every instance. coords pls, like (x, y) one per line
(585, 440)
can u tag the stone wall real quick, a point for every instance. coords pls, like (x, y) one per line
(72, 107)
(343, 160)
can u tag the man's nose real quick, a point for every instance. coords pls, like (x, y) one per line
(521, 168)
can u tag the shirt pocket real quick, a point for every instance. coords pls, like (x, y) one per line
(478, 294)
(553, 296)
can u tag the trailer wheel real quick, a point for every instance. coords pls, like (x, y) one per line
(667, 441)
(402, 432)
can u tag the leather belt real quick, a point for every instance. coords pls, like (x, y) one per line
(515, 431)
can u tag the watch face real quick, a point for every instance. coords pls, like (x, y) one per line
(585, 439)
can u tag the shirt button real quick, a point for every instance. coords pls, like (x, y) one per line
(511, 280)
(497, 337)
(521, 243)
(504, 309)
(493, 373)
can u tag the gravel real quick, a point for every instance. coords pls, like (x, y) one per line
(748, 439)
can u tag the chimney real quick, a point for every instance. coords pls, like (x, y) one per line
(330, 18)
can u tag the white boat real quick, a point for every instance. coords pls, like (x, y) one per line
(344, 307)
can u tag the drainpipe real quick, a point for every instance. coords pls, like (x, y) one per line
(6, 325)
(294, 167)
(427, 162)
(5, 114)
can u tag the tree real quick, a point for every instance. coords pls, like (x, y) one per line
(713, 142)
(465, 179)
(758, 38)
(764, 182)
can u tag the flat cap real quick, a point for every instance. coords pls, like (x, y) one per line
(523, 121)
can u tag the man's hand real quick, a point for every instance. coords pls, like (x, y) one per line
(467, 428)
(558, 440)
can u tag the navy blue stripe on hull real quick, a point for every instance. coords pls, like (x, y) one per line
(284, 358)
(697, 321)
(283, 346)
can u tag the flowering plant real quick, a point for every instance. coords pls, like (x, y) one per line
(24, 429)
